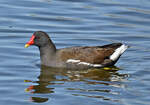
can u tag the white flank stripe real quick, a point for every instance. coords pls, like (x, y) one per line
(119, 51)
(83, 63)
(73, 61)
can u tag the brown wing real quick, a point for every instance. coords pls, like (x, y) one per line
(94, 55)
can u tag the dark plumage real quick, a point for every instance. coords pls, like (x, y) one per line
(75, 57)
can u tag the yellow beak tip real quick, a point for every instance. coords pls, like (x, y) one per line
(26, 45)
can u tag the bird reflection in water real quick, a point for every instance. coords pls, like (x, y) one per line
(53, 76)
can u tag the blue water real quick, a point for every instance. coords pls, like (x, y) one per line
(74, 23)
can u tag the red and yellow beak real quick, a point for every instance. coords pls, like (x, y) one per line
(31, 41)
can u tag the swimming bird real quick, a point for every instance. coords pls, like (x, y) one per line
(82, 57)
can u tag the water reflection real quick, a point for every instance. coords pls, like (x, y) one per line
(39, 99)
(51, 76)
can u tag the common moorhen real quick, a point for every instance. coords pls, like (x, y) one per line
(75, 57)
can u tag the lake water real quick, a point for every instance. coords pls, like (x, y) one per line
(74, 23)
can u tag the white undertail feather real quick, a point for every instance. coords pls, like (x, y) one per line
(78, 62)
(119, 51)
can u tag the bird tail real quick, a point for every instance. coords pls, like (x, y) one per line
(118, 52)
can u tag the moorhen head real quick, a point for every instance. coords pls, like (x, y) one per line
(40, 39)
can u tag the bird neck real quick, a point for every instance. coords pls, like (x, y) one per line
(48, 54)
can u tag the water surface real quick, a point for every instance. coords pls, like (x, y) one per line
(74, 23)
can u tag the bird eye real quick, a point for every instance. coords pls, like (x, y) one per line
(37, 37)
